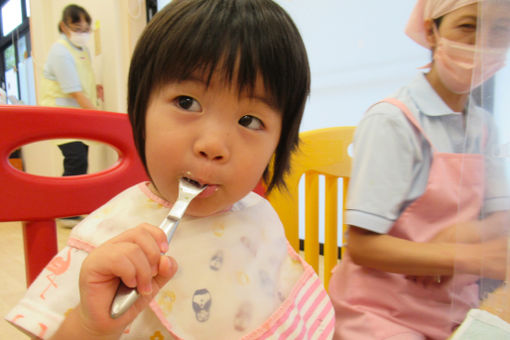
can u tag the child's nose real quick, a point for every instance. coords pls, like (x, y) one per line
(212, 147)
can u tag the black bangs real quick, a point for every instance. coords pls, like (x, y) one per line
(225, 37)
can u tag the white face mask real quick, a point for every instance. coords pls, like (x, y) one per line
(79, 39)
(463, 67)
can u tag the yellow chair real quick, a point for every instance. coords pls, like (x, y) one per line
(321, 152)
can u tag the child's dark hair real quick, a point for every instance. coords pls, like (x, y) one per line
(247, 38)
(73, 14)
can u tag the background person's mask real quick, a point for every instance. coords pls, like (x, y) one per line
(80, 39)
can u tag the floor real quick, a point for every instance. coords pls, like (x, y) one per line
(12, 279)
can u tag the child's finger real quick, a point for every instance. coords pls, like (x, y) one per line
(149, 238)
(167, 269)
(134, 234)
(131, 265)
(147, 242)
(158, 235)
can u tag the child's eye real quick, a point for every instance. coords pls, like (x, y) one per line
(251, 122)
(188, 103)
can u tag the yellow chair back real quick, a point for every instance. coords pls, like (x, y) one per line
(321, 152)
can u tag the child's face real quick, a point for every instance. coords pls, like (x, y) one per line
(212, 135)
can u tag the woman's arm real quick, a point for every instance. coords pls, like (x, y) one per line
(493, 226)
(83, 100)
(396, 255)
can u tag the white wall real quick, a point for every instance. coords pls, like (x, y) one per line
(358, 54)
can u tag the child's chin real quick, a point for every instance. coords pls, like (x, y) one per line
(204, 211)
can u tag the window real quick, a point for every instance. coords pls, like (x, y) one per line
(16, 67)
(152, 6)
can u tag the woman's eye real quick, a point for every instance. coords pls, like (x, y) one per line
(468, 27)
(188, 103)
(251, 122)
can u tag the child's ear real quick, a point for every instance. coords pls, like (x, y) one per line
(429, 33)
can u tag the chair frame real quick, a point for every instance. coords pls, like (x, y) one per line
(321, 152)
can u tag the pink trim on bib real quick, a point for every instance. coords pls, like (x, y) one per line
(79, 244)
(144, 187)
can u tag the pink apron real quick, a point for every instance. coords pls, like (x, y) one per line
(371, 304)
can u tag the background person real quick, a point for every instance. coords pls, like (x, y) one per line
(69, 81)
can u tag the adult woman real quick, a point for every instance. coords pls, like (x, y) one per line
(68, 79)
(418, 187)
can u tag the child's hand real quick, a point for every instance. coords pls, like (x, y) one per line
(135, 257)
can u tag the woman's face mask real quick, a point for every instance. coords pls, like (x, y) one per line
(463, 67)
(79, 38)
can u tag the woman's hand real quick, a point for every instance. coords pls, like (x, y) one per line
(493, 226)
(100, 92)
(135, 257)
(485, 259)
(429, 281)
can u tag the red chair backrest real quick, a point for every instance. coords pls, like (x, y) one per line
(37, 200)
(31, 197)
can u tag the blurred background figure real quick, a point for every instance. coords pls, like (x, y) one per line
(69, 80)
(68, 74)
(428, 199)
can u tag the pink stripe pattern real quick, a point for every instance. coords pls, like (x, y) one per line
(310, 316)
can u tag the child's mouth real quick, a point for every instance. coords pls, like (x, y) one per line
(195, 183)
(208, 191)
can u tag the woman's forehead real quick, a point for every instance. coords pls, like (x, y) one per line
(468, 11)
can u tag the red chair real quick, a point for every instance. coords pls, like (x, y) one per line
(38, 200)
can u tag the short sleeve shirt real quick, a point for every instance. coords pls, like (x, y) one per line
(392, 159)
(60, 66)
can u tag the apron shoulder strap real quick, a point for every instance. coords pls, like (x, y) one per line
(410, 117)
